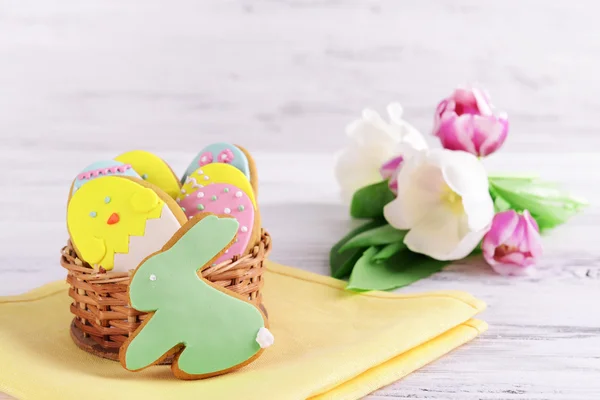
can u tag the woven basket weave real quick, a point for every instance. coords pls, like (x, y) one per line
(103, 319)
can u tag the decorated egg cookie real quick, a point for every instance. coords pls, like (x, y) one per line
(216, 173)
(253, 171)
(115, 222)
(102, 168)
(225, 153)
(205, 341)
(226, 199)
(153, 169)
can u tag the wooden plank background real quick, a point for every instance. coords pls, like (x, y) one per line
(81, 81)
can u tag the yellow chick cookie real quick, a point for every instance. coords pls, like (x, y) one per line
(216, 173)
(115, 222)
(152, 169)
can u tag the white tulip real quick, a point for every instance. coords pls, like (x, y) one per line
(444, 202)
(373, 141)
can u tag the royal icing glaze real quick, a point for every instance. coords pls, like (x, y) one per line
(221, 198)
(103, 168)
(152, 169)
(220, 153)
(215, 338)
(265, 338)
(115, 223)
(217, 173)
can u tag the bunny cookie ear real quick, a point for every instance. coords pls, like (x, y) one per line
(201, 241)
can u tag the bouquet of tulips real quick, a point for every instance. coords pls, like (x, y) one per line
(428, 207)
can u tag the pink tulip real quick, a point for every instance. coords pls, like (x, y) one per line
(467, 121)
(513, 244)
(389, 170)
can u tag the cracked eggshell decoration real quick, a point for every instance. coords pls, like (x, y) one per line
(153, 169)
(116, 221)
(100, 169)
(205, 341)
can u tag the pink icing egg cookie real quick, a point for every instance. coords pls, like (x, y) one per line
(226, 199)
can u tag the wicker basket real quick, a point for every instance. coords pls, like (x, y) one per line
(103, 319)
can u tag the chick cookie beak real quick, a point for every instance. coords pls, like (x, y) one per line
(113, 219)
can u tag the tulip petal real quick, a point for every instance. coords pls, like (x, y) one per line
(388, 168)
(479, 211)
(395, 112)
(468, 243)
(483, 105)
(462, 172)
(435, 235)
(503, 226)
(531, 220)
(372, 130)
(466, 102)
(443, 236)
(512, 270)
(418, 191)
(405, 211)
(408, 133)
(353, 171)
(489, 133)
(532, 236)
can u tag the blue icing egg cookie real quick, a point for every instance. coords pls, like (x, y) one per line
(219, 153)
(103, 168)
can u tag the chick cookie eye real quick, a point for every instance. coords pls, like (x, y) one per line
(93, 214)
(107, 199)
(152, 277)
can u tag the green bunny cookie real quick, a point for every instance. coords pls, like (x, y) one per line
(209, 329)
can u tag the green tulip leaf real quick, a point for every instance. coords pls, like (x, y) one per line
(388, 251)
(341, 263)
(368, 202)
(400, 270)
(382, 235)
(547, 203)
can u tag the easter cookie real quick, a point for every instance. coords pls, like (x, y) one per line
(102, 168)
(253, 170)
(152, 169)
(216, 173)
(115, 222)
(205, 340)
(224, 198)
(220, 153)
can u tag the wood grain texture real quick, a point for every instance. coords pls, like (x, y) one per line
(82, 81)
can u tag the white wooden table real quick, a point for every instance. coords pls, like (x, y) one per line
(82, 81)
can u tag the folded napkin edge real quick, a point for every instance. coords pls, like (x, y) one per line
(393, 369)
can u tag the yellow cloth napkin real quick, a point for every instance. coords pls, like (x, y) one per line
(329, 344)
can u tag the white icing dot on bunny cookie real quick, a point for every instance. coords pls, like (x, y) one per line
(200, 194)
(227, 210)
